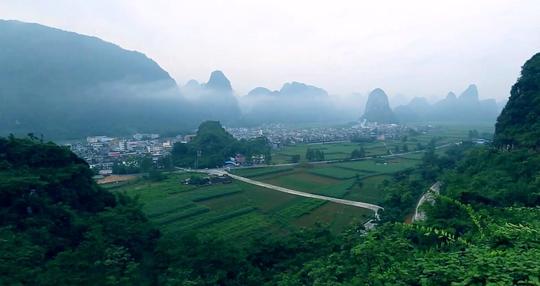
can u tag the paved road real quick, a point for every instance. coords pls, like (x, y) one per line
(372, 207)
(429, 197)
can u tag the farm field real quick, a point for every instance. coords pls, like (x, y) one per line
(442, 133)
(332, 151)
(338, 180)
(240, 212)
(237, 210)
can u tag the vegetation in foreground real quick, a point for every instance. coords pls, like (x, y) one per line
(471, 235)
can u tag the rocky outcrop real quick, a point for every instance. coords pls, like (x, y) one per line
(215, 99)
(219, 82)
(378, 109)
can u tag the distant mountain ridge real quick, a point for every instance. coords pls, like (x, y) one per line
(296, 89)
(294, 102)
(465, 108)
(66, 85)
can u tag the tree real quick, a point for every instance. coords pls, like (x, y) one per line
(314, 155)
(358, 153)
(166, 162)
(146, 164)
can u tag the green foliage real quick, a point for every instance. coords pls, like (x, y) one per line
(314, 155)
(405, 148)
(497, 178)
(212, 146)
(58, 227)
(156, 175)
(518, 124)
(358, 153)
(401, 195)
(197, 179)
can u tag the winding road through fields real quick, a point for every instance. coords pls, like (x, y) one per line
(375, 208)
(221, 172)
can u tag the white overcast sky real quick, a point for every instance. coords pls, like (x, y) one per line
(412, 48)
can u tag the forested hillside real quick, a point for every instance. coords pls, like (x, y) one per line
(57, 227)
(519, 123)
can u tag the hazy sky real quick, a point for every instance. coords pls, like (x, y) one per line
(413, 48)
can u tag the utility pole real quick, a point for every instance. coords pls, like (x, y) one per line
(199, 153)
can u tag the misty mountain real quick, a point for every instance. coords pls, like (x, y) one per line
(213, 100)
(262, 91)
(415, 111)
(294, 102)
(291, 90)
(467, 107)
(298, 89)
(63, 84)
(378, 108)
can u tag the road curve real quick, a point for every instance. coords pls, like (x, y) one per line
(429, 197)
(372, 207)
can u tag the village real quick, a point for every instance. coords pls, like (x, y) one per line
(282, 135)
(103, 153)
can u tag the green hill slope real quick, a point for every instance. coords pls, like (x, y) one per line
(519, 123)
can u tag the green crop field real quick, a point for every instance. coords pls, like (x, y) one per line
(379, 166)
(257, 172)
(442, 133)
(335, 179)
(237, 210)
(332, 151)
(369, 190)
(335, 173)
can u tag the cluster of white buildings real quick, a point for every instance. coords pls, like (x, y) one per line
(101, 152)
(284, 135)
